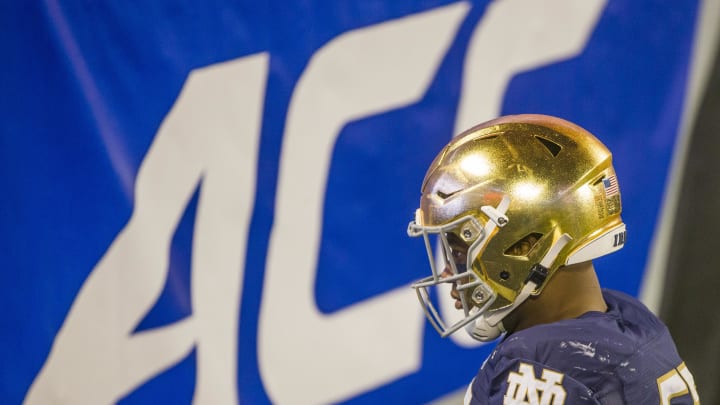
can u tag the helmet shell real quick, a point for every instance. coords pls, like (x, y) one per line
(558, 176)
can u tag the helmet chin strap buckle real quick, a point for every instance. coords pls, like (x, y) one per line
(538, 275)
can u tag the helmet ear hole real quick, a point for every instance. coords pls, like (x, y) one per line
(523, 247)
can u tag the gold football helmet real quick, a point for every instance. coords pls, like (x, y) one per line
(504, 205)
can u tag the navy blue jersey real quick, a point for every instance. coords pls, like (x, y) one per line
(622, 356)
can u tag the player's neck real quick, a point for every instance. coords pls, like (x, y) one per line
(571, 292)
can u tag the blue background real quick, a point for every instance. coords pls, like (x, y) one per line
(85, 85)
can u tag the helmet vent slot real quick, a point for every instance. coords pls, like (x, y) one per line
(551, 146)
(523, 247)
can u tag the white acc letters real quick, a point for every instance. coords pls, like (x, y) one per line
(211, 136)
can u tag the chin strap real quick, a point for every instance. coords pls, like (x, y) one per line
(487, 328)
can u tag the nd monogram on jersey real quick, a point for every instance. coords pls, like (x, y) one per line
(525, 389)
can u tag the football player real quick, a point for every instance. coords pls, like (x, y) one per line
(513, 211)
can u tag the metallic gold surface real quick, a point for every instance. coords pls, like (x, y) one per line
(552, 171)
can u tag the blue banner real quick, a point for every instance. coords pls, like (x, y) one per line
(207, 202)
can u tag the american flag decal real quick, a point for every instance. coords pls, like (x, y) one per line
(611, 186)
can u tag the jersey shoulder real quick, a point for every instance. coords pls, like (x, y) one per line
(615, 355)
